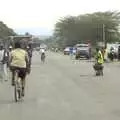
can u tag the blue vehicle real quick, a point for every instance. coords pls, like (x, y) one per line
(69, 50)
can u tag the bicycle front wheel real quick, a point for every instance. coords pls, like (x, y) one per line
(17, 89)
(17, 94)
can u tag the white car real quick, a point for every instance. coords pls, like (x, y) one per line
(67, 51)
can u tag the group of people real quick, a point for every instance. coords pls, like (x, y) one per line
(16, 58)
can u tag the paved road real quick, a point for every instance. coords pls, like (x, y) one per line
(64, 89)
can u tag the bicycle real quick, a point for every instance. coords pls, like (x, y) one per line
(17, 87)
(43, 57)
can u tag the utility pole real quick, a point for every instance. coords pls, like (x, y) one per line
(104, 41)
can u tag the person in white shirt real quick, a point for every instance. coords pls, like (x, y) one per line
(42, 50)
(3, 63)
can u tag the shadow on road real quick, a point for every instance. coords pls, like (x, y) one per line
(5, 102)
(87, 75)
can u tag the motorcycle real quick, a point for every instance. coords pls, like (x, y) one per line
(111, 55)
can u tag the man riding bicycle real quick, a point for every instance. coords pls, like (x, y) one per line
(99, 57)
(19, 61)
(42, 55)
(99, 62)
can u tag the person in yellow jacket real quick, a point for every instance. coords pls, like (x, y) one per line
(99, 56)
(98, 67)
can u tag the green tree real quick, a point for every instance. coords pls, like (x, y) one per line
(5, 31)
(71, 30)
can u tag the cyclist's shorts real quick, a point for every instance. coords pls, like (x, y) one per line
(22, 71)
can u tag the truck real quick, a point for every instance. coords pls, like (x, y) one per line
(83, 51)
(23, 39)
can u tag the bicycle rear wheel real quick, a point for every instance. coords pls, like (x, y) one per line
(17, 94)
(17, 89)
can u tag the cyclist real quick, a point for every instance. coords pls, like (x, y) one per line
(19, 61)
(99, 62)
(99, 56)
(42, 55)
(10, 48)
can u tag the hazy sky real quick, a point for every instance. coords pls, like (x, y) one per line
(27, 14)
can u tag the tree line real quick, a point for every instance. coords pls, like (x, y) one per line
(94, 28)
(5, 31)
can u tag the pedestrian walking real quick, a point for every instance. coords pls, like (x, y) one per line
(3, 63)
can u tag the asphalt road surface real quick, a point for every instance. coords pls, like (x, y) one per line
(64, 89)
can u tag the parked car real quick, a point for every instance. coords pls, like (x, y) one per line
(83, 51)
(67, 51)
